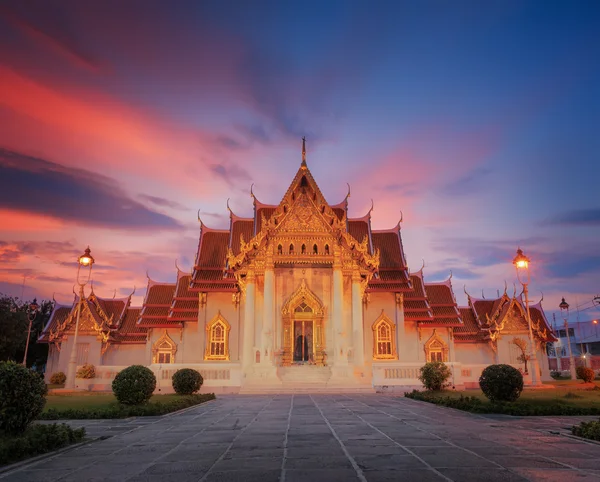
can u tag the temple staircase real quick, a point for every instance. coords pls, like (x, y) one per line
(309, 379)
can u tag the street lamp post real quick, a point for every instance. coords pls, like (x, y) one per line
(564, 309)
(521, 263)
(31, 314)
(86, 260)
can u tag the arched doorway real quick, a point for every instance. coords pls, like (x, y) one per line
(303, 336)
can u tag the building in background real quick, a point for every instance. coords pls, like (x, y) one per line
(585, 345)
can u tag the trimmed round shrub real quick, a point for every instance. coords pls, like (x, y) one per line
(186, 381)
(86, 371)
(134, 385)
(434, 375)
(586, 374)
(58, 378)
(22, 397)
(501, 383)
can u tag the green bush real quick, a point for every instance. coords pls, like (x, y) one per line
(434, 375)
(585, 374)
(186, 381)
(124, 411)
(501, 383)
(22, 397)
(58, 378)
(590, 430)
(134, 385)
(38, 439)
(86, 371)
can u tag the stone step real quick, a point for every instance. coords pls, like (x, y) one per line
(307, 390)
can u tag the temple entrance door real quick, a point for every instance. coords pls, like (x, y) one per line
(304, 349)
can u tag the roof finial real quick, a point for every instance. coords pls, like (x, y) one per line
(304, 152)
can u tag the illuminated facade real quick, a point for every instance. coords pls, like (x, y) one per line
(299, 295)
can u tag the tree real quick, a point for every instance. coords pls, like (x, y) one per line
(522, 345)
(13, 331)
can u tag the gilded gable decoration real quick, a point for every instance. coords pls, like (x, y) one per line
(164, 349)
(303, 296)
(217, 339)
(384, 338)
(436, 349)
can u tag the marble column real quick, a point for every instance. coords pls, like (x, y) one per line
(340, 356)
(248, 345)
(400, 327)
(357, 321)
(268, 312)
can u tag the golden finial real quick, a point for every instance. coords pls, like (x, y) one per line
(304, 152)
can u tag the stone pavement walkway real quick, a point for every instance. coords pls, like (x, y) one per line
(322, 438)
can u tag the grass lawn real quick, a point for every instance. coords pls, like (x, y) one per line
(569, 398)
(91, 405)
(564, 395)
(93, 400)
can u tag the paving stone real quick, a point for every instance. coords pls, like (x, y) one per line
(243, 437)
(321, 475)
(534, 461)
(323, 462)
(554, 475)
(450, 457)
(254, 463)
(491, 475)
(404, 475)
(244, 476)
(389, 461)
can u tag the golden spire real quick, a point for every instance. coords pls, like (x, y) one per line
(304, 152)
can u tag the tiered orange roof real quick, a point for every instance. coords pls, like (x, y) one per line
(184, 306)
(59, 315)
(416, 305)
(129, 332)
(157, 304)
(470, 331)
(113, 317)
(483, 318)
(442, 301)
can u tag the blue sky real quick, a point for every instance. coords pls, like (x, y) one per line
(477, 120)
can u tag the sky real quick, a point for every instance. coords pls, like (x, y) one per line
(475, 121)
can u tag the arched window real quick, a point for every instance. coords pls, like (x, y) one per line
(304, 249)
(384, 339)
(217, 343)
(164, 350)
(326, 249)
(315, 249)
(436, 349)
(280, 249)
(291, 249)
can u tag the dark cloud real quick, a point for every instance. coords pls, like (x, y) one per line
(579, 217)
(52, 27)
(229, 143)
(471, 183)
(479, 252)
(162, 202)
(35, 185)
(230, 173)
(476, 252)
(461, 273)
(565, 264)
(14, 251)
(404, 189)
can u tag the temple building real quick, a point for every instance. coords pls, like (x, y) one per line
(298, 297)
